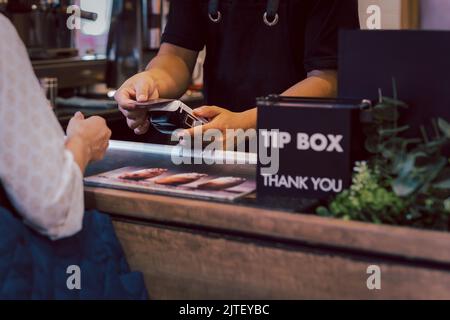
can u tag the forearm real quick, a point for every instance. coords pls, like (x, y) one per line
(39, 174)
(171, 74)
(249, 118)
(319, 84)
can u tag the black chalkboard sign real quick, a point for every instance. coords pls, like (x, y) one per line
(307, 147)
(418, 61)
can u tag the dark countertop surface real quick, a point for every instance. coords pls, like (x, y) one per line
(122, 154)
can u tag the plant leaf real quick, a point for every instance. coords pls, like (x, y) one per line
(394, 131)
(385, 113)
(442, 185)
(323, 212)
(406, 168)
(444, 126)
(372, 145)
(395, 102)
(406, 186)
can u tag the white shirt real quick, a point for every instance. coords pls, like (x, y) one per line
(40, 176)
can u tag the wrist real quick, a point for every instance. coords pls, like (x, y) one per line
(80, 149)
(249, 118)
(153, 77)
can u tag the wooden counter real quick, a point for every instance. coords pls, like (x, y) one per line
(192, 249)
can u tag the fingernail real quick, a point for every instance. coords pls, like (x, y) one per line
(142, 98)
(181, 133)
(143, 128)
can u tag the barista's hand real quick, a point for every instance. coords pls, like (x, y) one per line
(141, 88)
(223, 119)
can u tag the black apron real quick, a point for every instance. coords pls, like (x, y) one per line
(4, 201)
(251, 51)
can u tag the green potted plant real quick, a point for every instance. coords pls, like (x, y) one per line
(405, 181)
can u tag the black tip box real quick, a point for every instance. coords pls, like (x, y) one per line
(307, 147)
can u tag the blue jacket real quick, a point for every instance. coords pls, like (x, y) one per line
(34, 267)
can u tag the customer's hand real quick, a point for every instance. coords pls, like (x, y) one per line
(140, 88)
(93, 132)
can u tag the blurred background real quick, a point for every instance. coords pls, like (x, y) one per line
(82, 68)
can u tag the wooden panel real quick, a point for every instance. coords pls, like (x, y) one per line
(410, 14)
(182, 265)
(386, 240)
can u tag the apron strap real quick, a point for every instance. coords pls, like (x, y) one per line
(213, 11)
(270, 17)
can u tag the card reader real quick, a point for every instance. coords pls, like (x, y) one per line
(168, 115)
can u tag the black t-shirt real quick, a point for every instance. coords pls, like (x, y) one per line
(245, 57)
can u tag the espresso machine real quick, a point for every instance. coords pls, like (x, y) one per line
(42, 26)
